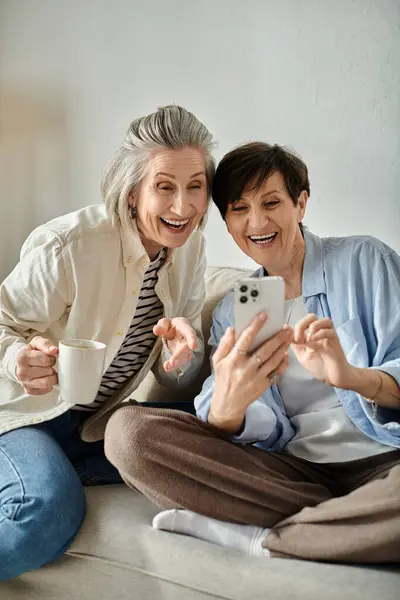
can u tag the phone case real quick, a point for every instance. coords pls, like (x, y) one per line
(259, 294)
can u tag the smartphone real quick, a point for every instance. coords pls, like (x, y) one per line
(259, 294)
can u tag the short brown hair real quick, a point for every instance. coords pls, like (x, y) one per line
(248, 166)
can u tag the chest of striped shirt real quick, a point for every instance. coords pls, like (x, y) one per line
(139, 340)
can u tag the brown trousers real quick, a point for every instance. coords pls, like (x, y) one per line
(347, 512)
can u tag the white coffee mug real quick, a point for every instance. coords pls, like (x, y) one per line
(80, 369)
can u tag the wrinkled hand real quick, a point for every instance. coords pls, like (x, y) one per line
(180, 338)
(241, 376)
(317, 347)
(35, 366)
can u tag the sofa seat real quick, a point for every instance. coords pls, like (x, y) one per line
(117, 554)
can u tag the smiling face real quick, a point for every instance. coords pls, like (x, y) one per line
(171, 198)
(264, 223)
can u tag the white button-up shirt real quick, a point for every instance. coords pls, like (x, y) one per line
(77, 278)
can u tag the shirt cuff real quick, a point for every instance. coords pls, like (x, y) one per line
(10, 360)
(390, 369)
(260, 422)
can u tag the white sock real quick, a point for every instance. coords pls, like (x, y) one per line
(247, 538)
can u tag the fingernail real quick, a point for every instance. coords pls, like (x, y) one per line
(262, 316)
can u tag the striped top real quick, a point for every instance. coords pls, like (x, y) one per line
(139, 340)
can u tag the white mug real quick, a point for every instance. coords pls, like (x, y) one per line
(80, 369)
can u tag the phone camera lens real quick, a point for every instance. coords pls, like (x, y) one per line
(243, 299)
(243, 288)
(254, 293)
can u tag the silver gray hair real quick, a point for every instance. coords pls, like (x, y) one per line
(170, 127)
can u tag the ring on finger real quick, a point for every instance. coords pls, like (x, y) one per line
(241, 352)
(258, 359)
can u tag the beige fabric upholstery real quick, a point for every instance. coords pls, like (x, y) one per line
(118, 555)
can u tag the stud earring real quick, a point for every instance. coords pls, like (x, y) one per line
(133, 212)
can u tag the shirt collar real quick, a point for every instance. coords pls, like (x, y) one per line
(133, 250)
(313, 270)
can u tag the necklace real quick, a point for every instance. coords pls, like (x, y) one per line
(294, 303)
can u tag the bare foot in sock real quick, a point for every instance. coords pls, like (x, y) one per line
(247, 538)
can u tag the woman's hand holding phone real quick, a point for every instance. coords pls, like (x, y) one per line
(242, 376)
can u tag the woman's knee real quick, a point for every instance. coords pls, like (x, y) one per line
(38, 528)
(125, 437)
(135, 435)
(42, 502)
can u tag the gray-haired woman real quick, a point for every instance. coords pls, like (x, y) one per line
(128, 273)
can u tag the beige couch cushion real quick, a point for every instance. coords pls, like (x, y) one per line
(118, 555)
(218, 282)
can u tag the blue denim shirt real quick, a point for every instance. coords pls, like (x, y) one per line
(355, 281)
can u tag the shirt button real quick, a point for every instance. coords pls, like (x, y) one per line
(130, 259)
(118, 333)
(134, 292)
(143, 261)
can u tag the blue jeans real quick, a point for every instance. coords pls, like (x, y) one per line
(43, 469)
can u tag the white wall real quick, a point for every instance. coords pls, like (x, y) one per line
(321, 76)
